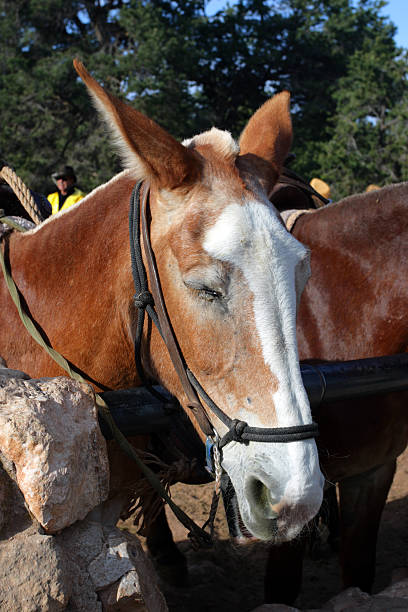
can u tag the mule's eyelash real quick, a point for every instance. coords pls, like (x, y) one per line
(203, 291)
(209, 294)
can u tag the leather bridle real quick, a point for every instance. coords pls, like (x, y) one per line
(153, 303)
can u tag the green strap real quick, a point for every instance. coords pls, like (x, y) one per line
(11, 223)
(196, 533)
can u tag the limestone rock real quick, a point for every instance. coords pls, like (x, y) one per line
(112, 563)
(110, 567)
(355, 600)
(50, 434)
(393, 598)
(33, 574)
(8, 373)
(399, 586)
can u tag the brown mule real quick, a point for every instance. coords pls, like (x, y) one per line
(355, 305)
(231, 277)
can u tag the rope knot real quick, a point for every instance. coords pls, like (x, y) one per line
(237, 429)
(143, 299)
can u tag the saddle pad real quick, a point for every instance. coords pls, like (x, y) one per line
(290, 217)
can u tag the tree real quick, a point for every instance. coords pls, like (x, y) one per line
(322, 37)
(370, 123)
(46, 115)
(46, 112)
(189, 71)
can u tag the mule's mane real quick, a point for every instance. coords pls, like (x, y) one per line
(90, 196)
(395, 194)
(385, 194)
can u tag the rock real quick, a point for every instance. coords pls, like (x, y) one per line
(112, 567)
(353, 599)
(33, 573)
(113, 562)
(50, 435)
(7, 373)
(54, 463)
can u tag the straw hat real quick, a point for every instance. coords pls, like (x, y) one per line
(321, 187)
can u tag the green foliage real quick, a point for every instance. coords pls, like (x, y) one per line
(370, 122)
(189, 71)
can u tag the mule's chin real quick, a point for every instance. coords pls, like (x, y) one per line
(279, 489)
(246, 532)
(275, 531)
(276, 525)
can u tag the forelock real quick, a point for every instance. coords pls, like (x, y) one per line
(220, 140)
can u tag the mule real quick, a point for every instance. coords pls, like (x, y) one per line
(231, 277)
(355, 305)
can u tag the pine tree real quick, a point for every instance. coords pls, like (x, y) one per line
(370, 122)
(189, 71)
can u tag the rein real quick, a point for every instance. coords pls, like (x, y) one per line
(238, 431)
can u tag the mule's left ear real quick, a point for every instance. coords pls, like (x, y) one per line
(148, 150)
(266, 140)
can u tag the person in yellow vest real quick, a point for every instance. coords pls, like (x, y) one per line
(67, 194)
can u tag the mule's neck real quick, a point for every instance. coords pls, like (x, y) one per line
(355, 301)
(74, 272)
(372, 219)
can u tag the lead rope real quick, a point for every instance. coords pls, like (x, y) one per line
(143, 299)
(197, 535)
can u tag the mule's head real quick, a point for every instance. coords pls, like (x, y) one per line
(231, 276)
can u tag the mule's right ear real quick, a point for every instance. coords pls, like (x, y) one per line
(266, 140)
(147, 149)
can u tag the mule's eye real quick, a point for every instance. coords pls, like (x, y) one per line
(209, 294)
(203, 291)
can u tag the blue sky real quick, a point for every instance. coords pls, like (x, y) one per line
(396, 10)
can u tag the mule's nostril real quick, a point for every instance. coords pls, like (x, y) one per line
(262, 498)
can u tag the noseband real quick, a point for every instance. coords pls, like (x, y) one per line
(238, 431)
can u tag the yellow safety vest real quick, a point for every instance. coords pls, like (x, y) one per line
(73, 198)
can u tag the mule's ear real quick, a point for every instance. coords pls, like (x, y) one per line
(147, 149)
(267, 139)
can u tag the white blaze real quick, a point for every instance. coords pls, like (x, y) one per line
(252, 238)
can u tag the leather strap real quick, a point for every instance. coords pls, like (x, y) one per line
(238, 431)
(170, 341)
(291, 178)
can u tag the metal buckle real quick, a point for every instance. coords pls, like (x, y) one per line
(209, 460)
(210, 444)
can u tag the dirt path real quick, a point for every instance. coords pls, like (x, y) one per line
(231, 580)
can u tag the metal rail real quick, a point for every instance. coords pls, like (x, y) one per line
(136, 411)
(336, 381)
